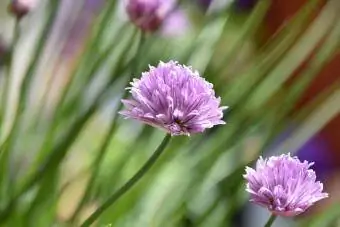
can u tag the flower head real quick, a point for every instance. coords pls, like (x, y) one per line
(148, 15)
(20, 8)
(175, 98)
(284, 184)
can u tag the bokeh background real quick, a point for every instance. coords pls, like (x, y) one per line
(274, 63)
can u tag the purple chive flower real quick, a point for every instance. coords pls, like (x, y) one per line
(284, 185)
(20, 8)
(175, 98)
(148, 15)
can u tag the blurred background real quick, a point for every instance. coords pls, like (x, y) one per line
(64, 150)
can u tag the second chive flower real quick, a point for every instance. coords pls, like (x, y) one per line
(175, 98)
(284, 184)
(148, 15)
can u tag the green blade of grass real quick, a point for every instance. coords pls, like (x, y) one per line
(296, 56)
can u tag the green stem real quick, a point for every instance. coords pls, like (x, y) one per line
(25, 84)
(103, 148)
(96, 164)
(270, 221)
(59, 113)
(5, 178)
(250, 27)
(128, 185)
(96, 167)
(4, 98)
(59, 151)
(82, 67)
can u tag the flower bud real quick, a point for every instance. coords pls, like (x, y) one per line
(145, 14)
(20, 8)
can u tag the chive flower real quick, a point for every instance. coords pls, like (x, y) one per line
(175, 98)
(284, 185)
(148, 15)
(20, 8)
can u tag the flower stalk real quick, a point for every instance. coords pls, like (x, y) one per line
(103, 149)
(270, 221)
(128, 185)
